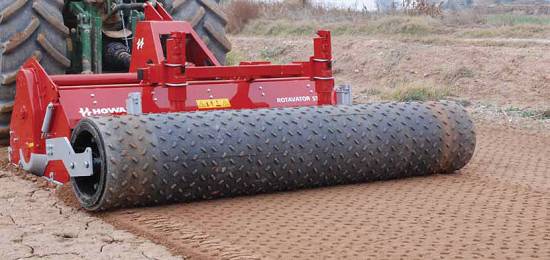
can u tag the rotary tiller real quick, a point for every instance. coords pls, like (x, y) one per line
(181, 127)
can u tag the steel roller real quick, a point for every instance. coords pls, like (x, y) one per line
(176, 157)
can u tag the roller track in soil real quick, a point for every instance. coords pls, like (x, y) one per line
(497, 207)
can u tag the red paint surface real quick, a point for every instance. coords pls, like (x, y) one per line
(199, 76)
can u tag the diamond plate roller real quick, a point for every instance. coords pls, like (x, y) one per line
(164, 158)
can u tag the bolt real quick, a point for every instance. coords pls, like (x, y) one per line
(92, 95)
(211, 97)
(95, 102)
(86, 164)
(260, 88)
(72, 165)
(208, 90)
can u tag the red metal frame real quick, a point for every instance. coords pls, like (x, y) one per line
(169, 80)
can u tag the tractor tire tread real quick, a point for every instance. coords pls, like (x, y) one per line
(20, 37)
(52, 51)
(219, 36)
(29, 29)
(198, 17)
(11, 9)
(215, 8)
(208, 20)
(40, 8)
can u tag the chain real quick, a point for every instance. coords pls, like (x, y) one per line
(124, 29)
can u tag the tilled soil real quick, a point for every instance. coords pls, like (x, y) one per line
(498, 207)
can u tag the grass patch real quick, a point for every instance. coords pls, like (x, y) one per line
(273, 55)
(280, 27)
(418, 91)
(517, 19)
(299, 18)
(234, 57)
(409, 25)
(516, 31)
(453, 75)
(380, 25)
(528, 113)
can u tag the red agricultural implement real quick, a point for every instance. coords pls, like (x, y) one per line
(180, 127)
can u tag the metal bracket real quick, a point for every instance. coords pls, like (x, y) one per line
(59, 149)
(133, 104)
(77, 164)
(36, 165)
(343, 95)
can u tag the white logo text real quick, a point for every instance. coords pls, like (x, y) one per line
(297, 99)
(86, 111)
(140, 43)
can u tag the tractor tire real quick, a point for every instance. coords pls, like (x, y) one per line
(28, 28)
(177, 157)
(207, 19)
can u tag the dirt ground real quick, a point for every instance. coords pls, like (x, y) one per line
(34, 224)
(498, 207)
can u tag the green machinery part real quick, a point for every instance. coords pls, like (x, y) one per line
(87, 35)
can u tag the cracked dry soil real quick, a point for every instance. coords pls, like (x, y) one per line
(34, 224)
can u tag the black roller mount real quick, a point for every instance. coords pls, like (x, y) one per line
(164, 158)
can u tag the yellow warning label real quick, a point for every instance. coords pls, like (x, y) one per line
(213, 103)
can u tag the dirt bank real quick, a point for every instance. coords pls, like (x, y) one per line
(492, 72)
